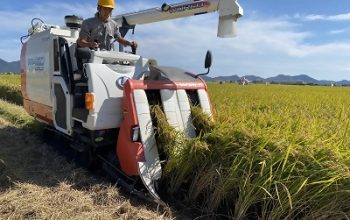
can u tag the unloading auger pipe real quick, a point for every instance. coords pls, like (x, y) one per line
(229, 12)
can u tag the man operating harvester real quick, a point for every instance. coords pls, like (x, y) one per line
(99, 31)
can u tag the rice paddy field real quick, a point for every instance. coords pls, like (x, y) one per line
(272, 152)
(10, 86)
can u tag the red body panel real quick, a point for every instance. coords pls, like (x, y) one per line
(129, 152)
(172, 85)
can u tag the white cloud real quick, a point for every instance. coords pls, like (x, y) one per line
(16, 23)
(339, 17)
(266, 48)
(338, 31)
(51, 13)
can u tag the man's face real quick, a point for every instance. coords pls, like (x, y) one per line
(105, 13)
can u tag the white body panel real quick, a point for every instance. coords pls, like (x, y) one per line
(105, 81)
(38, 68)
(150, 169)
(185, 110)
(204, 101)
(39, 61)
(177, 110)
(107, 112)
(112, 56)
(147, 135)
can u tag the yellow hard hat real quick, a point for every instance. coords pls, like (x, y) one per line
(106, 3)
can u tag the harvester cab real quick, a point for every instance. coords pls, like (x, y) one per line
(100, 100)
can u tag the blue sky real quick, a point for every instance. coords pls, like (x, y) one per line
(274, 37)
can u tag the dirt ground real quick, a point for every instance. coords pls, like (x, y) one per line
(38, 182)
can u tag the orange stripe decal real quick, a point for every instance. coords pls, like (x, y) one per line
(40, 111)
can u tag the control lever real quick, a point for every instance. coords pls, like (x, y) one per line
(133, 48)
(96, 41)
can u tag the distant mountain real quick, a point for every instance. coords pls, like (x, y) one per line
(300, 79)
(343, 82)
(281, 78)
(222, 78)
(13, 67)
(253, 78)
(326, 82)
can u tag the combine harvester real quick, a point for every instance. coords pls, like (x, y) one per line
(100, 100)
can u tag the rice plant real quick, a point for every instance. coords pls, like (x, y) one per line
(18, 117)
(10, 88)
(274, 152)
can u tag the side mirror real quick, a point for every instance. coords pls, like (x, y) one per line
(208, 60)
(207, 64)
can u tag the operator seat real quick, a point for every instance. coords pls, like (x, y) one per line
(82, 55)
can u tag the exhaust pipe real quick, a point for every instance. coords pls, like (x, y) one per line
(229, 12)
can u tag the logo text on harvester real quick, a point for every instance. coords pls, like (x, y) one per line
(190, 6)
